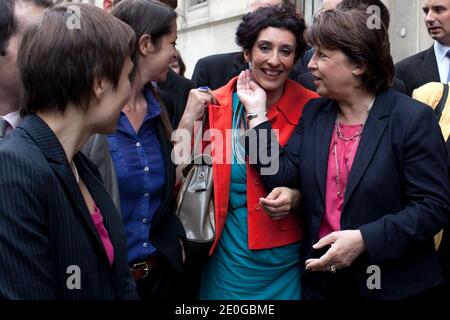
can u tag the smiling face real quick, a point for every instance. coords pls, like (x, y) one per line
(272, 57)
(437, 20)
(160, 56)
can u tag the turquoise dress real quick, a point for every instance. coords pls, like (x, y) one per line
(234, 272)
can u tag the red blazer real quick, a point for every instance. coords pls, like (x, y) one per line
(263, 232)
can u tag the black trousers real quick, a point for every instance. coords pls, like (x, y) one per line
(163, 283)
(340, 287)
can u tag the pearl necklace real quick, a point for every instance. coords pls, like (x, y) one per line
(356, 136)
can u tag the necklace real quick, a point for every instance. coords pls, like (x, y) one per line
(239, 121)
(75, 172)
(355, 136)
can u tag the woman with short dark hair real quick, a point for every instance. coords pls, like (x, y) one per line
(61, 236)
(370, 163)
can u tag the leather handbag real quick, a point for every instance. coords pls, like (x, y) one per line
(195, 201)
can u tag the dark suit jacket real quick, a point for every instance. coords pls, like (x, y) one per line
(166, 229)
(216, 70)
(45, 226)
(418, 70)
(398, 194)
(301, 66)
(175, 92)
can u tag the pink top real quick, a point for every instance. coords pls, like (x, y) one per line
(343, 153)
(97, 218)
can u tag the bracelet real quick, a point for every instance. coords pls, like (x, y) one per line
(252, 115)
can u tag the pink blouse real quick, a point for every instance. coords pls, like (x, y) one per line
(340, 161)
(97, 218)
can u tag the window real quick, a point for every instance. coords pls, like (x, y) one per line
(193, 3)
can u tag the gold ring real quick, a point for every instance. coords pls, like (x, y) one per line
(332, 268)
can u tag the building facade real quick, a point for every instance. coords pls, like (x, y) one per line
(208, 26)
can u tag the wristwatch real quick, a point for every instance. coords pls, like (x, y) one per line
(253, 115)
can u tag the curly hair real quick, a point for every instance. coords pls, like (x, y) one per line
(281, 16)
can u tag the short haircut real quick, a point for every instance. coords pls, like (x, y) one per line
(171, 3)
(146, 17)
(287, 2)
(347, 31)
(8, 21)
(280, 16)
(364, 4)
(60, 69)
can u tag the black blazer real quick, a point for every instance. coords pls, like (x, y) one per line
(216, 70)
(398, 191)
(418, 70)
(167, 230)
(45, 226)
(175, 93)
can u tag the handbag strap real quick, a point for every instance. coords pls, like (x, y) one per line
(198, 137)
(441, 105)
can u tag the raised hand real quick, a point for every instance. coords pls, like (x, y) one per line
(252, 96)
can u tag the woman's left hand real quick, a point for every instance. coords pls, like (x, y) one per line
(346, 246)
(252, 96)
(279, 203)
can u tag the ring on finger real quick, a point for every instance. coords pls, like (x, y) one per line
(332, 268)
(203, 89)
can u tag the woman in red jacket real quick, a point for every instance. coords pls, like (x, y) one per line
(256, 251)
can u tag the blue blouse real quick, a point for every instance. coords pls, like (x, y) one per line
(140, 169)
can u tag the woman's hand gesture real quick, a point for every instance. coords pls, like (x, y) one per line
(252, 96)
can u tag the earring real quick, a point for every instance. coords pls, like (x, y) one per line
(354, 72)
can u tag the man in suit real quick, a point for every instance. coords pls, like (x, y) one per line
(216, 70)
(14, 16)
(433, 64)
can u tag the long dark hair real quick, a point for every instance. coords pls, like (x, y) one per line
(152, 18)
